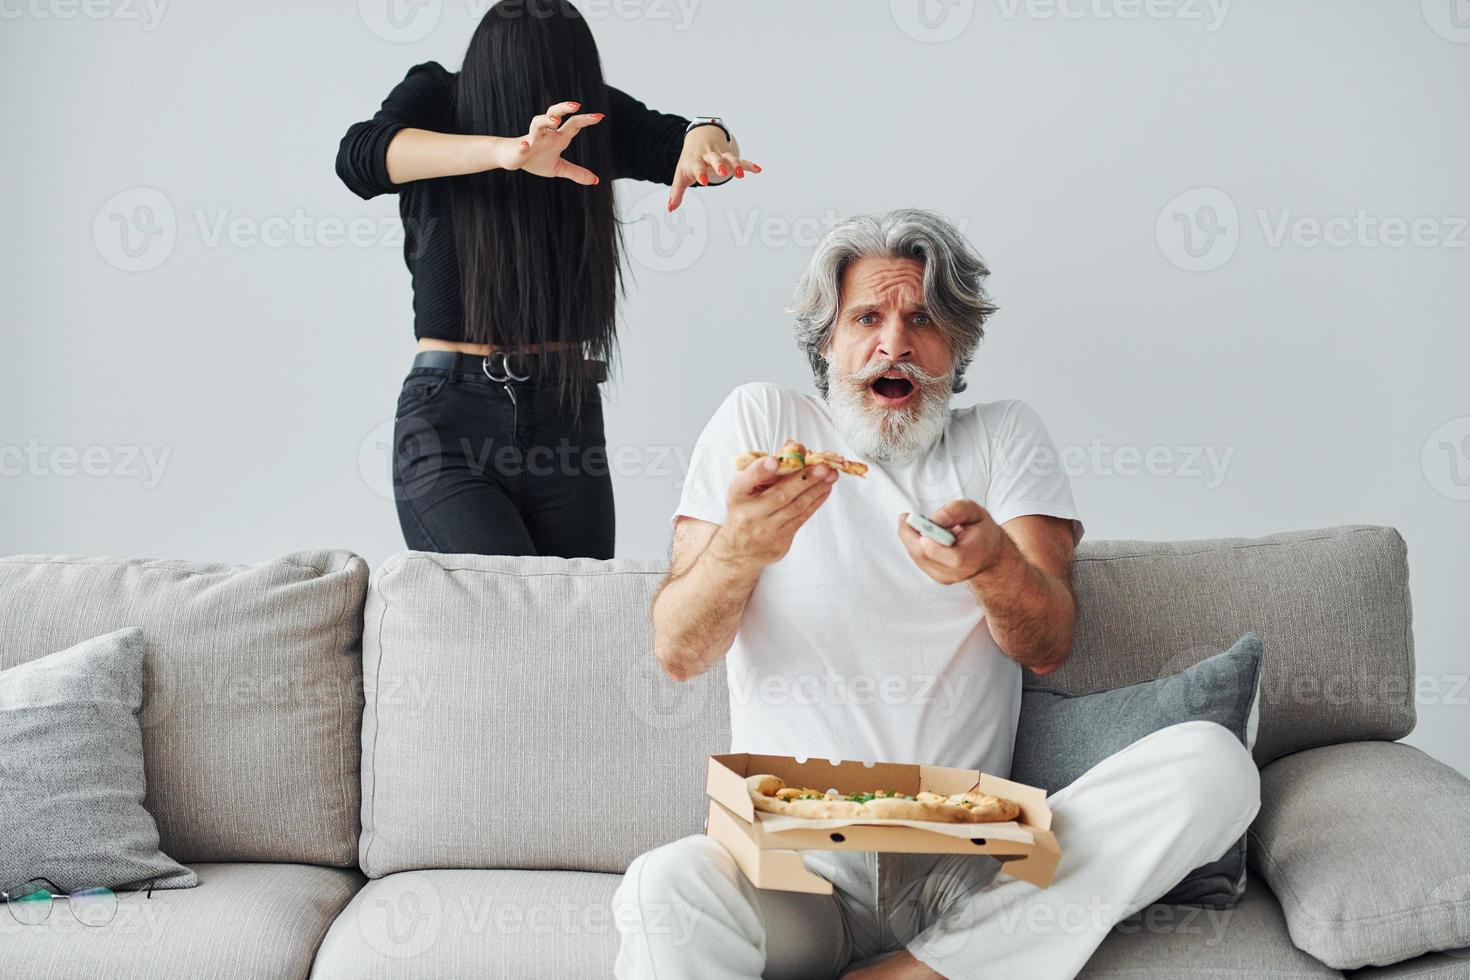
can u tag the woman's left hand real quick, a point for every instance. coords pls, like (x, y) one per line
(708, 158)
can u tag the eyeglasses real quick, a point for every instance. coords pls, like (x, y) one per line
(30, 904)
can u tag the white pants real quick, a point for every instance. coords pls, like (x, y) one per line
(1130, 828)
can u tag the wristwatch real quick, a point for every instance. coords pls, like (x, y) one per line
(709, 121)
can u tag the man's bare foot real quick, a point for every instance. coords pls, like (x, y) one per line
(896, 966)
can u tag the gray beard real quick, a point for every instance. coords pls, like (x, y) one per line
(890, 435)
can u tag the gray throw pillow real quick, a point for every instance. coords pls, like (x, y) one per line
(71, 771)
(1367, 847)
(1059, 737)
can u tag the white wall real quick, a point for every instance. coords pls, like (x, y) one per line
(1327, 379)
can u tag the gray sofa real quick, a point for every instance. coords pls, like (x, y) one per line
(352, 763)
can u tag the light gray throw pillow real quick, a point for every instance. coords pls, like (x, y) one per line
(71, 771)
(1367, 847)
(1058, 738)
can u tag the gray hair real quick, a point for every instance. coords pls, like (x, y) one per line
(954, 278)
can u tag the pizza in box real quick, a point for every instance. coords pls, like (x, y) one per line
(770, 794)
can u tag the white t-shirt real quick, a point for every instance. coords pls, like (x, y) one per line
(847, 650)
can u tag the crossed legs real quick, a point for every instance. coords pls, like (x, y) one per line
(1130, 829)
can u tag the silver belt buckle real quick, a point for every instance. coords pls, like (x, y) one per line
(513, 375)
(506, 374)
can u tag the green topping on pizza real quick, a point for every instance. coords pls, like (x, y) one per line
(878, 795)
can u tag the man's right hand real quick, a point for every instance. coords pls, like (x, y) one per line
(764, 509)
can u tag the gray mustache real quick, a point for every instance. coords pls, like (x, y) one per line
(908, 369)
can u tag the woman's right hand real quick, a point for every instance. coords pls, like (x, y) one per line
(539, 151)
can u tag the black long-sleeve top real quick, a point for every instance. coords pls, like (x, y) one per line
(646, 146)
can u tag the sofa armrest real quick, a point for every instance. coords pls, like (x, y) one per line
(1367, 847)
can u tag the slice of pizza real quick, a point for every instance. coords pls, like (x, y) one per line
(984, 807)
(770, 794)
(793, 457)
(837, 462)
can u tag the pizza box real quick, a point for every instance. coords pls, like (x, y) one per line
(772, 858)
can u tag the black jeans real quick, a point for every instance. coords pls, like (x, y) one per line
(499, 468)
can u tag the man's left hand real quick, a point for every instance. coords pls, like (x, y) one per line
(978, 542)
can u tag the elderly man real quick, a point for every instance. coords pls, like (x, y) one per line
(848, 635)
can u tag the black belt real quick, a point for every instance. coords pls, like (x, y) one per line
(502, 367)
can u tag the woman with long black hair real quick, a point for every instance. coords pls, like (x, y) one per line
(504, 176)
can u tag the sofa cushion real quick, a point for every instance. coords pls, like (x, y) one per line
(1169, 942)
(1059, 737)
(497, 687)
(252, 697)
(1331, 608)
(1435, 966)
(243, 921)
(554, 924)
(528, 925)
(1368, 847)
(71, 771)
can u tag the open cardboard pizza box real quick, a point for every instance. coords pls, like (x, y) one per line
(772, 858)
